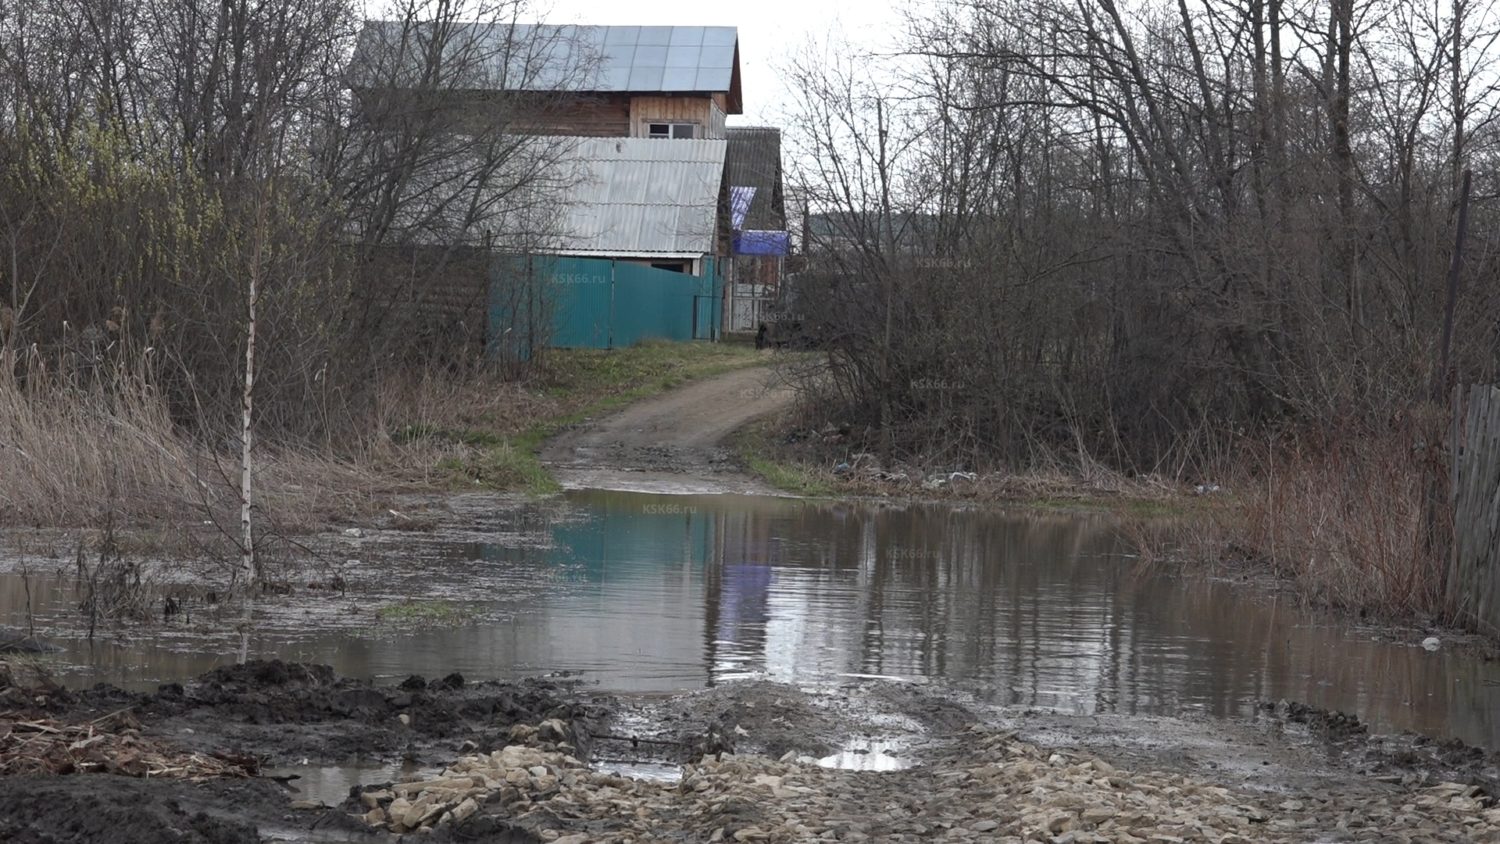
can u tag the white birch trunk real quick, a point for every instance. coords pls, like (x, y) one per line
(248, 568)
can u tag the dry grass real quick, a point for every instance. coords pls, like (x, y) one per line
(76, 453)
(1046, 485)
(1346, 518)
(70, 454)
(430, 424)
(75, 456)
(479, 427)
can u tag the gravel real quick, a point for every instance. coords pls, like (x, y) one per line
(987, 786)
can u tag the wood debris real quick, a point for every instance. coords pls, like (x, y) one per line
(111, 744)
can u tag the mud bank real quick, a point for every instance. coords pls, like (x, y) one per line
(750, 761)
(273, 716)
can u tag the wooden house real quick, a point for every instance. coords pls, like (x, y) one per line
(651, 212)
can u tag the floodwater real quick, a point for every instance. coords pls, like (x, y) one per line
(647, 593)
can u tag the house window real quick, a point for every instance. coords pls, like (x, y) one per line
(671, 130)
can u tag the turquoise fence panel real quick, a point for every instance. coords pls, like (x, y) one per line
(513, 318)
(509, 333)
(634, 541)
(599, 303)
(580, 293)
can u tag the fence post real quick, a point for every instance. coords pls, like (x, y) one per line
(609, 340)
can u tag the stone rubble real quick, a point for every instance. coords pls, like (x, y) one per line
(988, 786)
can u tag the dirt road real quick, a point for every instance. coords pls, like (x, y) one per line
(672, 443)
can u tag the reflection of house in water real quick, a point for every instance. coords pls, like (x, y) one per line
(739, 613)
(665, 592)
(628, 603)
(738, 594)
(684, 591)
(664, 582)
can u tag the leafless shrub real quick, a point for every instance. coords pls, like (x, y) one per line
(162, 157)
(70, 453)
(1347, 515)
(107, 585)
(74, 454)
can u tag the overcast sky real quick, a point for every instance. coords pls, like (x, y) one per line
(770, 30)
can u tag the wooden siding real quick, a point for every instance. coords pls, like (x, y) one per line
(674, 109)
(717, 129)
(599, 116)
(593, 117)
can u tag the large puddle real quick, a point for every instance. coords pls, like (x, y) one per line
(657, 593)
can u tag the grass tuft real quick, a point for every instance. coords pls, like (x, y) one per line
(422, 613)
(75, 454)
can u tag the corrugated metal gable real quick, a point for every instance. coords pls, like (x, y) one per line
(642, 196)
(754, 161)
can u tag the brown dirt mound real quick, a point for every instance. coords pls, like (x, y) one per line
(283, 710)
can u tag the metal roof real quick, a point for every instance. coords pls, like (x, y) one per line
(642, 196)
(592, 59)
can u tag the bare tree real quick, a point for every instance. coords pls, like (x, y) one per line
(1126, 223)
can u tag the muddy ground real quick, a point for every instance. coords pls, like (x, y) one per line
(920, 761)
(673, 443)
(281, 715)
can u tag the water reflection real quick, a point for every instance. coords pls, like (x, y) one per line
(332, 784)
(656, 593)
(866, 754)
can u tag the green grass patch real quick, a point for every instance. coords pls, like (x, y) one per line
(509, 465)
(424, 613)
(790, 477)
(597, 380)
(654, 358)
(754, 450)
(573, 385)
(594, 382)
(416, 433)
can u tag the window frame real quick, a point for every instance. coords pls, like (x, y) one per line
(671, 128)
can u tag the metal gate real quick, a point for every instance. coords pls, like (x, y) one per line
(749, 305)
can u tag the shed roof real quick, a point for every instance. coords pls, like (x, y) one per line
(754, 161)
(642, 197)
(584, 59)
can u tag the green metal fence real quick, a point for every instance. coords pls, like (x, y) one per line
(597, 303)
